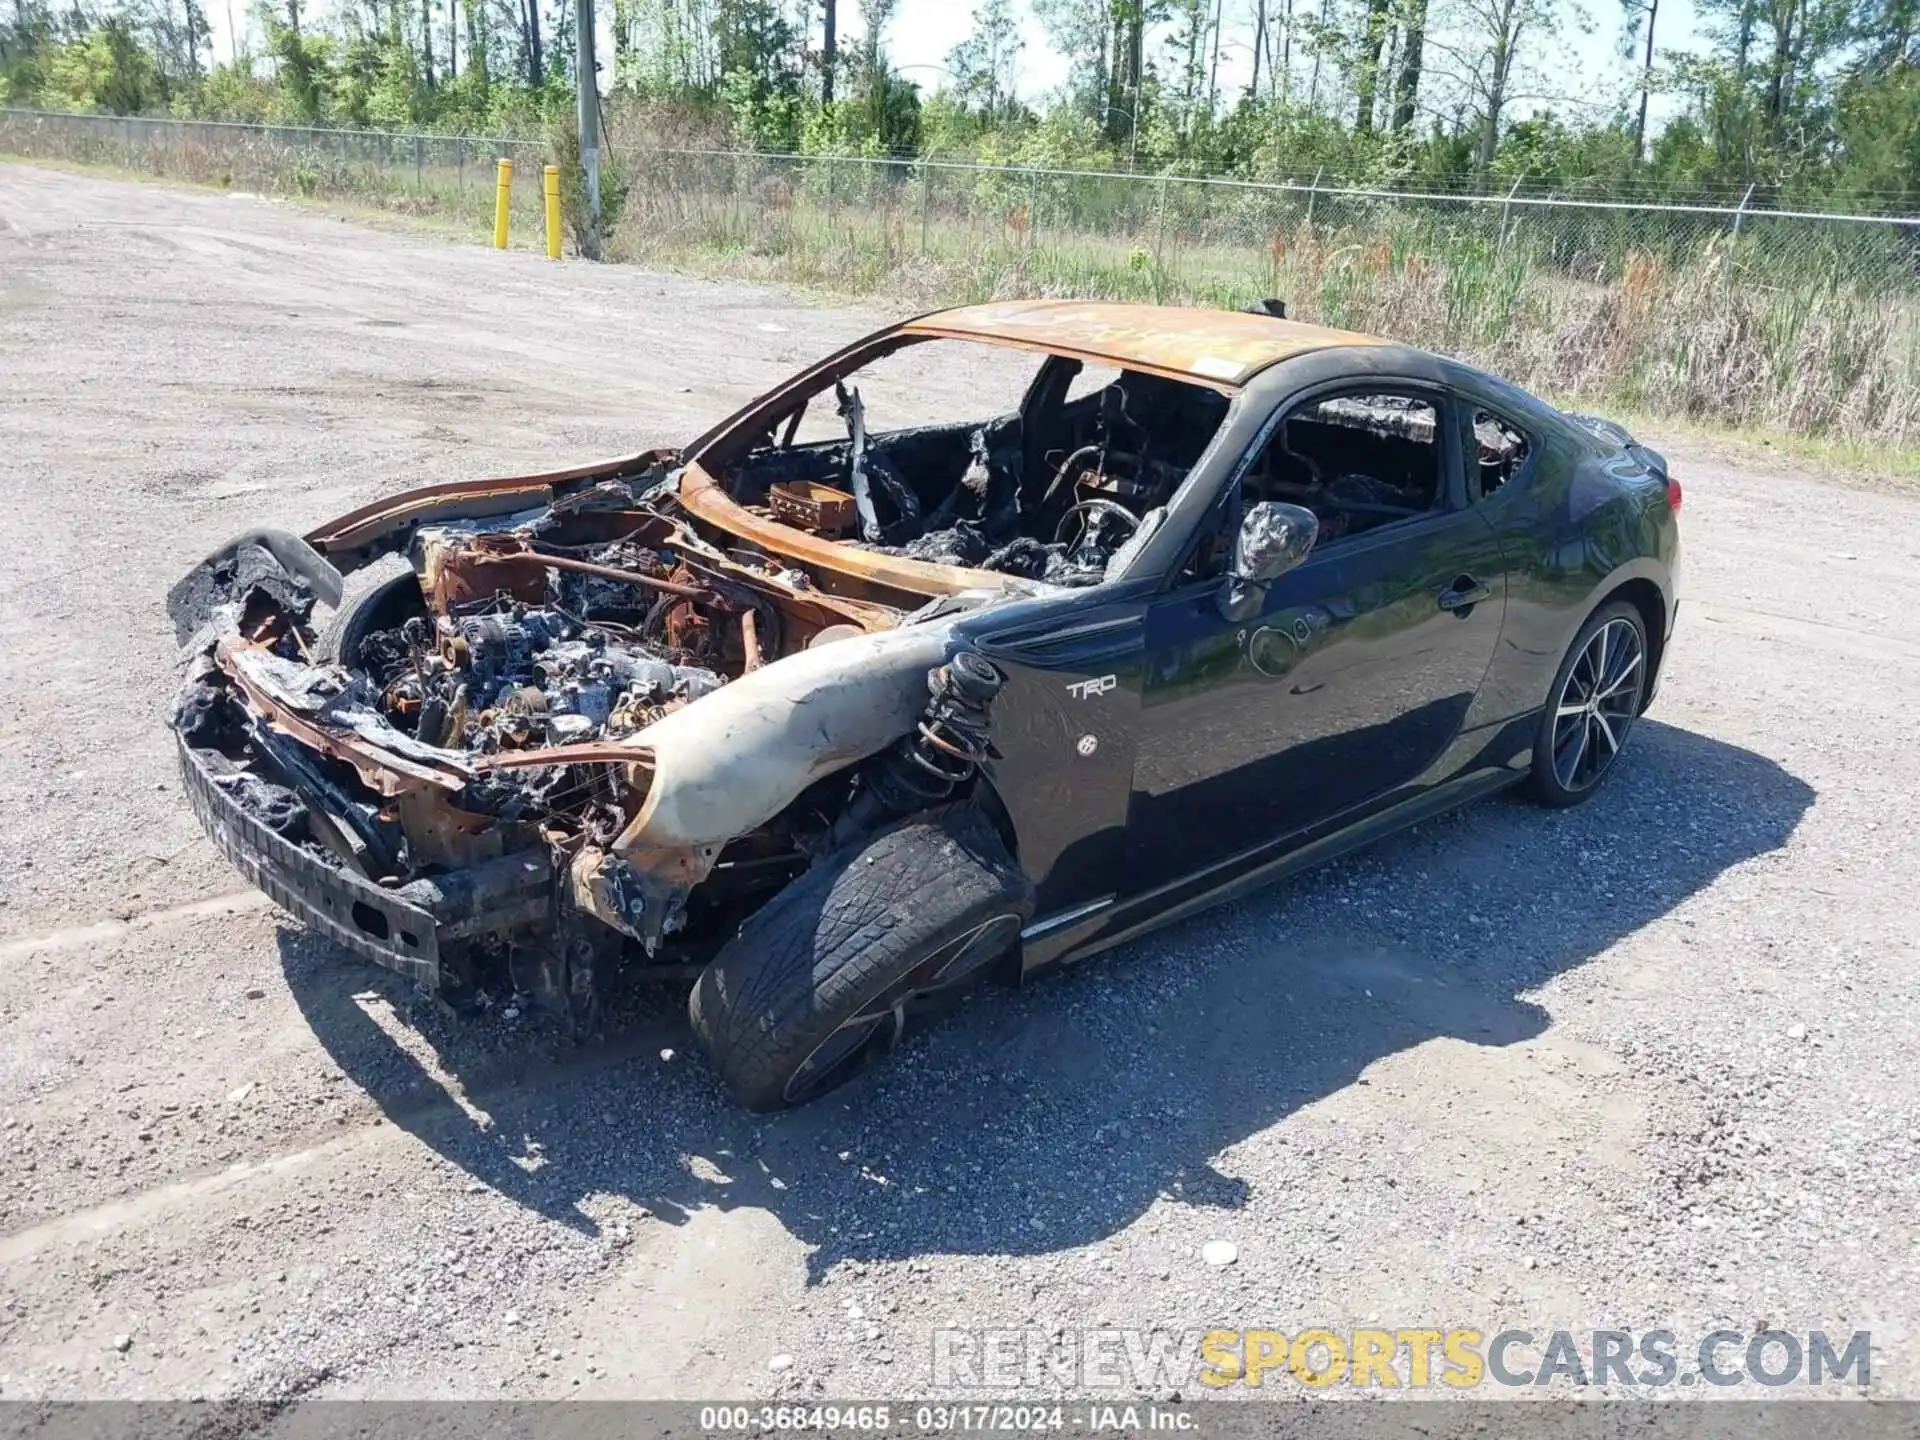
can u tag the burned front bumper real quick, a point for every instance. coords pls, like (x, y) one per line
(410, 928)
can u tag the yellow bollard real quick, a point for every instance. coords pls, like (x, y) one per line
(501, 195)
(553, 212)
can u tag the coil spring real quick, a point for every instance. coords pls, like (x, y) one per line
(953, 732)
(948, 745)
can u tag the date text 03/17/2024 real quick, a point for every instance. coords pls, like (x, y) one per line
(947, 1419)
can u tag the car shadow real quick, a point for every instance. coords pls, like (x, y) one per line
(1078, 1101)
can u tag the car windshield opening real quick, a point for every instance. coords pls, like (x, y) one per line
(964, 453)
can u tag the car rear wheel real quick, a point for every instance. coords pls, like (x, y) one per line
(1594, 701)
(817, 982)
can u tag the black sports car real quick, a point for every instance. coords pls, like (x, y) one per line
(832, 718)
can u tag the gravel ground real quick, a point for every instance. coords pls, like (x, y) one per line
(1651, 1063)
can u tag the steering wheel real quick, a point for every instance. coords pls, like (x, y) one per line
(1087, 512)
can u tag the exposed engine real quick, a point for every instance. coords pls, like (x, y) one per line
(520, 677)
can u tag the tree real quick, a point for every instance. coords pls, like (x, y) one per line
(530, 48)
(300, 61)
(887, 110)
(1816, 103)
(478, 31)
(987, 61)
(1490, 45)
(172, 36)
(1877, 124)
(1082, 30)
(1406, 92)
(1127, 72)
(1367, 72)
(1803, 34)
(1189, 56)
(759, 83)
(107, 69)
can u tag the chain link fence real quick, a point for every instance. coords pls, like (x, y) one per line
(1810, 322)
(416, 172)
(1217, 224)
(925, 205)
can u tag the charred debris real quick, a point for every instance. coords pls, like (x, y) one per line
(496, 697)
(493, 698)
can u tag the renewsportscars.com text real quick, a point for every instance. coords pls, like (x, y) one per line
(1415, 1357)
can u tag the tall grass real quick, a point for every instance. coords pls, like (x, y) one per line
(1710, 331)
(1798, 327)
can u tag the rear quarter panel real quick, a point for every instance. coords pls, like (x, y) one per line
(1584, 521)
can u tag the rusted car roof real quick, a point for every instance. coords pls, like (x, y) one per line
(1221, 347)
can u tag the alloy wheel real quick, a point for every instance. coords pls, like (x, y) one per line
(1597, 704)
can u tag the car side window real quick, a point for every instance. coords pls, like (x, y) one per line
(1500, 451)
(1358, 459)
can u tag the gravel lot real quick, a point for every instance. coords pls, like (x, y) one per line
(1652, 1063)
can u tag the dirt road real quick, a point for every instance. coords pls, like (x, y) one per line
(1652, 1063)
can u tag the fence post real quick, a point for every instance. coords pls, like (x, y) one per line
(1033, 205)
(419, 163)
(1500, 247)
(1741, 214)
(926, 199)
(1313, 193)
(1160, 223)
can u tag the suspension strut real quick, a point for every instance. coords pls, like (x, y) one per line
(944, 751)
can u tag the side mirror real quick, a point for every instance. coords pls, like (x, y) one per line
(1273, 538)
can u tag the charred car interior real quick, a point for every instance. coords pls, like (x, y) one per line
(1049, 491)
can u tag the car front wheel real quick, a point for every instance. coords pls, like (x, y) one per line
(1594, 701)
(817, 982)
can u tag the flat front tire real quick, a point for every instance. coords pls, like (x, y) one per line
(817, 982)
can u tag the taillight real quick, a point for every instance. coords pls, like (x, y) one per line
(1673, 495)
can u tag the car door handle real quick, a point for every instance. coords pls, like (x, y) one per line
(1464, 591)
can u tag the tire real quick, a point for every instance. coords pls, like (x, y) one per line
(1573, 726)
(815, 985)
(378, 607)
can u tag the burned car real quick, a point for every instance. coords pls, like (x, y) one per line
(844, 705)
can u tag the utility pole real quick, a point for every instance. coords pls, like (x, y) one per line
(588, 78)
(1259, 45)
(1652, 8)
(829, 53)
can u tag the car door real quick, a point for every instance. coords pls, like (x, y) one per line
(1338, 696)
